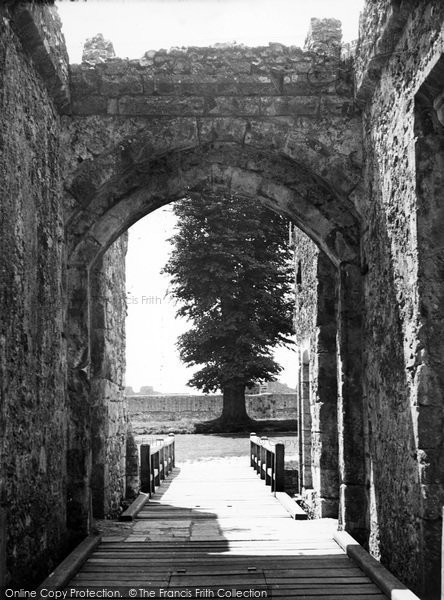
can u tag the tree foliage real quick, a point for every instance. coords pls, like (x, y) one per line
(231, 274)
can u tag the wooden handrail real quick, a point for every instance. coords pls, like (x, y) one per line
(268, 460)
(156, 462)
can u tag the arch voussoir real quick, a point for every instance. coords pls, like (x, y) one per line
(287, 186)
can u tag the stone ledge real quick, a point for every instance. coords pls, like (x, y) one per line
(373, 63)
(389, 584)
(218, 106)
(38, 28)
(71, 565)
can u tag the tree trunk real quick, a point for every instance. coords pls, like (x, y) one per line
(234, 418)
(234, 410)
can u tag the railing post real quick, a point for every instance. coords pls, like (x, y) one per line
(279, 468)
(269, 460)
(152, 473)
(170, 455)
(161, 460)
(167, 459)
(252, 451)
(132, 467)
(156, 467)
(173, 450)
(262, 451)
(270, 463)
(145, 469)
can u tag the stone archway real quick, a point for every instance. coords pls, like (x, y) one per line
(280, 182)
(278, 124)
(130, 191)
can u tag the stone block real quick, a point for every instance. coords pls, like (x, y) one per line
(250, 85)
(272, 132)
(185, 84)
(232, 106)
(291, 106)
(332, 105)
(226, 129)
(296, 85)
(90, 105)
(160, 106)
(130, 83)
(116, 67)
(83, 82)
(430, 425)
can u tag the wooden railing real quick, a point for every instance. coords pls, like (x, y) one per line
(156, 462)
(268, 460)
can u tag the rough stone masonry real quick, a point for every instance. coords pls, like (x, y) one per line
(349, 148)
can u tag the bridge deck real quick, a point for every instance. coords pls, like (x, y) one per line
(216, 527)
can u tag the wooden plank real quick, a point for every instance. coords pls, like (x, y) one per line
(72, 563)
(135, 507)
(387, 582)
(235, 533)
(292, 507)
(304, 561)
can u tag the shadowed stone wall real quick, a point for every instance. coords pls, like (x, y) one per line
(107, 401)
(402, 263)
(315, 321)
(33, 418)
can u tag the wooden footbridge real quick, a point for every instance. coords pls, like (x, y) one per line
(214, 530)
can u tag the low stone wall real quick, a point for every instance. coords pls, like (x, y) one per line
(205, 407)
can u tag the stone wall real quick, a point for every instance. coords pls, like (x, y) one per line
(32, 345)
(402, 262)
(219, 81)
(315, 322)
(276, 123)
(145, 409)
(169, 122)
(108, 405)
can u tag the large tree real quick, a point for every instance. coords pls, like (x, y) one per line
(232, 276)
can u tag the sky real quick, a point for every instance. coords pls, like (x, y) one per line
(134, 27)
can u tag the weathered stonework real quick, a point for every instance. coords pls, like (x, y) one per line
(107, 401)
(315, 329)
(402, 261)
(359, 171)
(39, 30)
(173, 120)
(145, 409)
(97, 50)
(32, 345)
